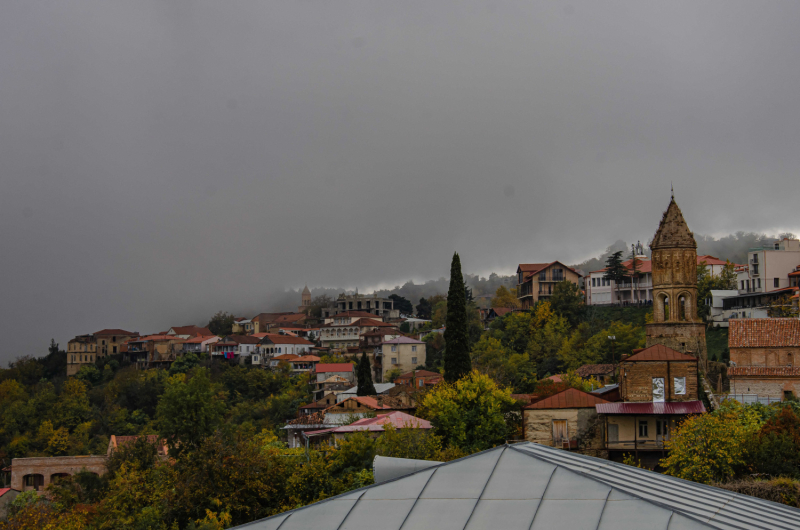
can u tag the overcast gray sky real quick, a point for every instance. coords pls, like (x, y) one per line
(163, 160)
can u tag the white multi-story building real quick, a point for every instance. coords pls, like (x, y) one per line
(600, 291)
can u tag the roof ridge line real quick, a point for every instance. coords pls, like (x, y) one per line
(471, 513)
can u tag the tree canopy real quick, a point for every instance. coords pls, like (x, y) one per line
(456, 334)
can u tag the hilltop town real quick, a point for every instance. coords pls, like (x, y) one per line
(627, 363)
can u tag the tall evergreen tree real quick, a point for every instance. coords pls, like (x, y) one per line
(615, 270)
(364, 377)
(456, 354)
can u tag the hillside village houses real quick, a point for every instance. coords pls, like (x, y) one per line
(86, 349)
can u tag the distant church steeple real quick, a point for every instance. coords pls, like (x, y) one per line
(674, 265)
(305, 300)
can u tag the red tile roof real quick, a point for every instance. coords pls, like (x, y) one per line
(764, 333)
(286, 357)
(367, 401)
(199, 339)
(333, 367)
(659, 352)
(370, 322)
(673, 407)
(710, 260)
(588, 370)
(307, 359)
(194, 331)
(286, 339)
(104, 332)
(318, 418)
(501, 311)
(529, 269)
(242, 339)
(571, 398)
(418, 373)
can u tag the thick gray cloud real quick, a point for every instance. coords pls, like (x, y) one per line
(162, 160)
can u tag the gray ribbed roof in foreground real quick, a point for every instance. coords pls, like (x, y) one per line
(533, 487)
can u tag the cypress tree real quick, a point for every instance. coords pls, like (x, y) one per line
(364, 377)
(457, 363)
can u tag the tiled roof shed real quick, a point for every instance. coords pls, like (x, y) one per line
(571, 398)
(528, 486)
(764, 333)
(588, 370)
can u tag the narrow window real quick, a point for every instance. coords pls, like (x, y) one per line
(413, 348)
(414, 361)
(643, 429)
(658, 390)
(775, 282)
(394, 360)
(559, 431)
(679, 384)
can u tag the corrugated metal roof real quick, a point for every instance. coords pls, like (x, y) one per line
(570, 398)
(533, 487)
(682, 407)
(659, 352)
(333, 367)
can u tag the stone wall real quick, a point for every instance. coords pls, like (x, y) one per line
(583, 425)
(47, 467)
(685, 337)
(763, 386)
(637, 380)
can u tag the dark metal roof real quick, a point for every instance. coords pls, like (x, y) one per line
(659, 352)
(570, 398)
(534, 487)
(605, 389)
(682, 407)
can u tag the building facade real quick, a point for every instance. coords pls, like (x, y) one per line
(535, 281)
(674, 268)
(403, 354)
(375, 305)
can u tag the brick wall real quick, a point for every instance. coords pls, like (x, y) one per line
(765, 356)
(47, 467)
(637, 379)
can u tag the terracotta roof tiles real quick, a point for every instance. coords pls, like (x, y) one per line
(571, 398)
(764, 333)
(659, 352)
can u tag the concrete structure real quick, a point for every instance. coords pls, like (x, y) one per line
(720, 316)
(37, 473)
(674, 265)
(347, 330)
(401, 353)
(153, 351)
(765, 357)
(535, 281)
(375, 305)
(567, 420)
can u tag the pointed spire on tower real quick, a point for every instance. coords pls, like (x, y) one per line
(672, 190)
(673, 232)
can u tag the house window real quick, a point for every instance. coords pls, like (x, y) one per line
(594, 282)
(742, 285)
(642, 428)
(414, 361)
(776, 282)
(559, 431)
(394, 360)
(658, 390)
(679, 383)
(115, 349)
(421, 382)
(758, 282)
(543, 276)
(413, 348)
(394, 348)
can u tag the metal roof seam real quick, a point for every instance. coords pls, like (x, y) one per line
(286, 519)
(435, 469)
(533, 520)
(489, 478)
(350, 510)
(600, 519)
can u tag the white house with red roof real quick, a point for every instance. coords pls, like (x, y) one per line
(273, 344)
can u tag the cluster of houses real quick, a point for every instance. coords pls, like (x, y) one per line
(352, 325)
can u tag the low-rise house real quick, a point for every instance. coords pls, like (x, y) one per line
(765, 359)
(199, 344)
(373, 339)
(609, 393)
(306, 422)
(494, 313)
(374, 426)
(332, 386)
(417, 379)
(659, 388)
(363, 405)
(416, 323)
(567, 420)
(275, 361)
(7, 496)
(243, 325)
(235, 347)
(323, 371)
(535, 281)
(605, 373)
(272, 322)
(273, 344)
(402, 353)
(81, 351)
(305, 363)
(717, 312)
(154, 351)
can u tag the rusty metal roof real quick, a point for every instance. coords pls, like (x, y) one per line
(659, 352)
(570, 398)
(673, 407)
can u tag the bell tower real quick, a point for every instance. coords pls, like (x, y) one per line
(674, 265)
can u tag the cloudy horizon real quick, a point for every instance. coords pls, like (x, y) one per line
(164, 160)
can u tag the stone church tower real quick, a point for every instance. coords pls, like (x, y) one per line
(305, 300)
(674, 264)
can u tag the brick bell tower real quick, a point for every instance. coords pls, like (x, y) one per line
(674, 265)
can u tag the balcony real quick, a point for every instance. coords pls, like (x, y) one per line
(636, 445)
